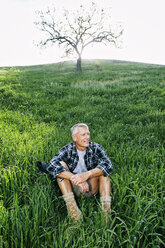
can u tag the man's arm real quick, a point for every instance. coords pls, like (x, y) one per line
(55, 167)
(104, 162)
(68, 175)
(80, 178)
(65, 175)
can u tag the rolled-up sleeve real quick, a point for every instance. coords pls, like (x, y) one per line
(104, 162)
(55, 167)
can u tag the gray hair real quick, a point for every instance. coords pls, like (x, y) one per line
(75, 127)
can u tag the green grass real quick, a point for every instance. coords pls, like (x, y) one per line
(124, 105)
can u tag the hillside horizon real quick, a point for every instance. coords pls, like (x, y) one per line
(115, 61)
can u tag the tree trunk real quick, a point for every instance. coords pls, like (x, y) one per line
(79, 69)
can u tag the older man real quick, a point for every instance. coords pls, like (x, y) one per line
(82, 168)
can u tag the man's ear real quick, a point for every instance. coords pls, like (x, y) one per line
(74, 137)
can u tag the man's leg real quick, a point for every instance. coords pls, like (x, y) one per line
(94, 185)
(104, 190)
(103, 183)
(66, 190)
(105, 198)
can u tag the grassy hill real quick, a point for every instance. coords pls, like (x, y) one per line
(124, 105)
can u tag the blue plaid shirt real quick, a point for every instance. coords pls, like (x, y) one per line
(95, 157)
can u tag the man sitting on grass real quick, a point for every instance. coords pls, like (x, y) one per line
(82, 168)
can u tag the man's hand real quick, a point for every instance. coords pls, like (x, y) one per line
(84, 187)
(80, 178)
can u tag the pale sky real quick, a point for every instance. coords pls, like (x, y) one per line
(143, 39)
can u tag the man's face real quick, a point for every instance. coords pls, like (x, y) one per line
(82, 138)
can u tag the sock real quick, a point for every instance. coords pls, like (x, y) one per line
(106, 204)
(73, 210)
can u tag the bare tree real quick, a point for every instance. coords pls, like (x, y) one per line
(77, 30)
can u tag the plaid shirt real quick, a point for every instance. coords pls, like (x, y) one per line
(95, 157)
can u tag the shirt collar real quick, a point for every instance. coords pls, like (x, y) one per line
(74, 152)
(88, 150)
